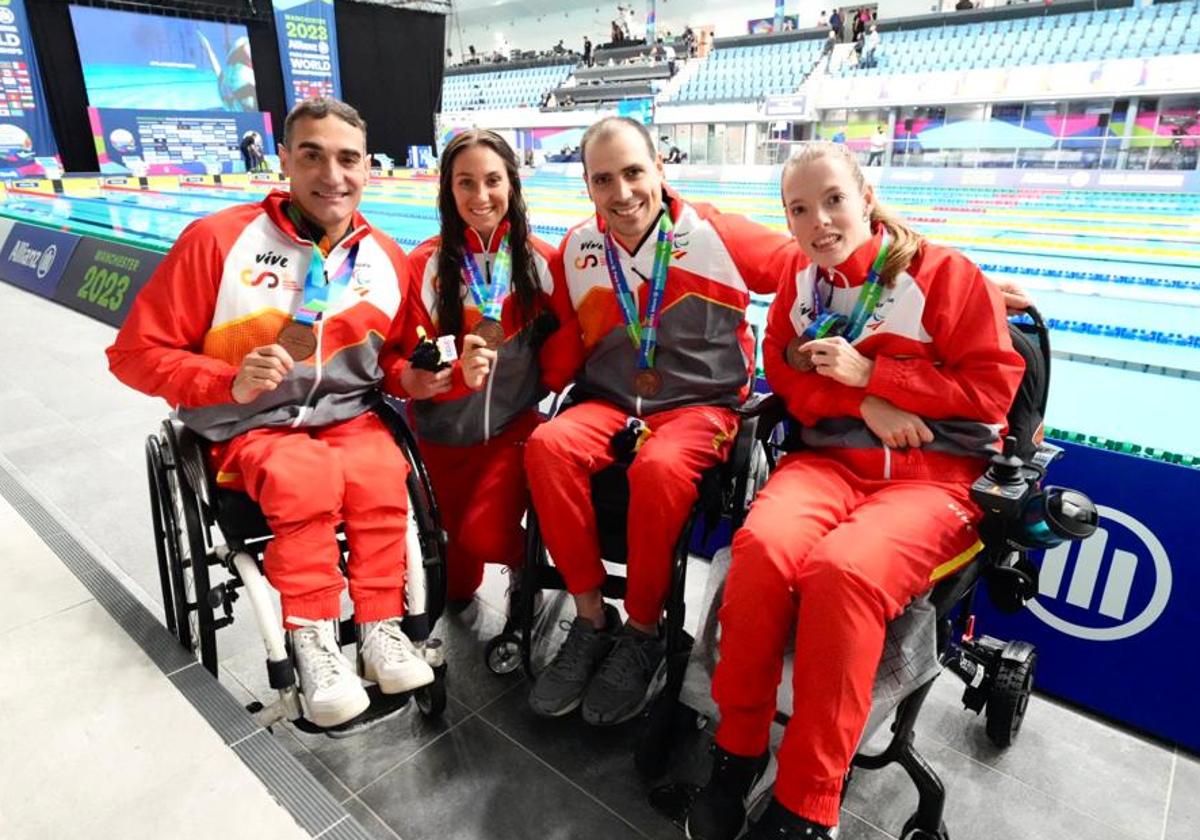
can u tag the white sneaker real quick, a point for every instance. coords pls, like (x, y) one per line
(389, 658)
(330, 690)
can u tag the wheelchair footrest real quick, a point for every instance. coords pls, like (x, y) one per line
(383, 707)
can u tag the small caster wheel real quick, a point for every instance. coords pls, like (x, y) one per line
(431, 699)
(911, 832)
(1008, 700)
(503, 654)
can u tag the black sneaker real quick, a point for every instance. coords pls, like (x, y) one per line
(778, 823)
(719, 812)
(627, 680)
(559, 688)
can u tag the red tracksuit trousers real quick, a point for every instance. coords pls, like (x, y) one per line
(482, 496)
(833, 557)
(562, 455)
(307, 481)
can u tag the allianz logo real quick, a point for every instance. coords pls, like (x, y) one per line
(1109, 586)
(40, 261)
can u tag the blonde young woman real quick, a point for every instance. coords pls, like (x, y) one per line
(894, 356)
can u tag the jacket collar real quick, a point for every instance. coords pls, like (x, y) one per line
(477, 245)
(853, 270)
(275, 205)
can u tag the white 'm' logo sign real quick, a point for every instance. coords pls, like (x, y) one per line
(1078, 583)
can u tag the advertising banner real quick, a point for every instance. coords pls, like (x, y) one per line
(133, 60)
(34, 258)
(1108, 77)
(307, 49)
(1115, 615)
(1073, 179)
(146, 142)
(103, 278)
(25, 132)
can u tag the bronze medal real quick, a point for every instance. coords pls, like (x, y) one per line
(298, 340)
(647, 383)
(799, 358)
(491, 331)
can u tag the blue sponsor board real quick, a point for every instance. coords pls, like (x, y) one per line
(308, 53)
(1115, 621)
(34, 258)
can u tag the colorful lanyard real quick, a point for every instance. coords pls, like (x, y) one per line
(320, 291)
(644, 339)
(489, 299)
(831, 323)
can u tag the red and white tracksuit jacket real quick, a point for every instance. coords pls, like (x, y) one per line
(848, 531)
(310, 452)
(705, 356)
(473, 442)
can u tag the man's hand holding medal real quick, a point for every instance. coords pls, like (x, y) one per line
(263, 368)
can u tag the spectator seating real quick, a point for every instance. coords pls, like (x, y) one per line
(748, 72)
(1128, 32)
(494, 89)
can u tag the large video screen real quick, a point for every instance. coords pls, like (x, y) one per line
(136, 61)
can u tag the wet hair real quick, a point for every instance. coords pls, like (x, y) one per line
(906, 242)
(525, 285)
(608, 126)
(319, 109)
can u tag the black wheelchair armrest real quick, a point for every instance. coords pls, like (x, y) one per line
(760, 405)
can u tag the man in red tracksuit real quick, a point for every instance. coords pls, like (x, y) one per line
(660, 287)
(270, 327)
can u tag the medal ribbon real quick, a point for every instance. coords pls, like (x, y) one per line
(321, 291)
(490, 300)
(644, 338)
(825, 324)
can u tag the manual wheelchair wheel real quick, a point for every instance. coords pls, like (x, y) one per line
(911, 832)
(1008, 700)
(503, 654)
(180, 533)
(431, 699)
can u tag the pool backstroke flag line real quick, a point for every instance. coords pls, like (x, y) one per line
(307, 49)
(25, 132)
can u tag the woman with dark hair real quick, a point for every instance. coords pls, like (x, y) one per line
(893, 355)
(499, 291)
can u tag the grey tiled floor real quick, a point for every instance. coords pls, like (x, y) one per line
(489, 769)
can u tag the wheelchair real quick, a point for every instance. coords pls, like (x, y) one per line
(998, 675)
(724, 493)
(209, 543)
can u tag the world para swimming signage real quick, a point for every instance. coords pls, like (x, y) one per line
(25, 132)
(103, 278)
(307, 37)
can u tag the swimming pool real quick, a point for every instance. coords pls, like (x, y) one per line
(1117, 274)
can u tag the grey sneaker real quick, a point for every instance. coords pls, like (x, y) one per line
(627, 680)
(559, 688)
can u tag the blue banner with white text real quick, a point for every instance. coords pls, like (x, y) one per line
(307, 49)
(25, 132)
